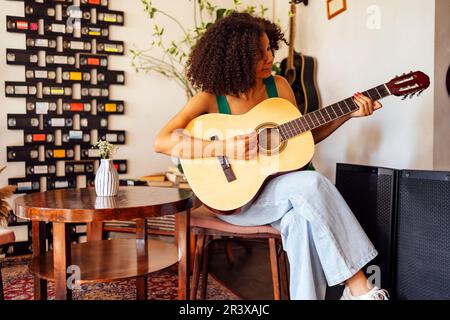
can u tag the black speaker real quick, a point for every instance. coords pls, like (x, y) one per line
(370, 192)
(423, 236)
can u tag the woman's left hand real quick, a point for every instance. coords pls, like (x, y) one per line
(366, 106)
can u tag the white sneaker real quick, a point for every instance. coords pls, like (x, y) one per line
(374, 294)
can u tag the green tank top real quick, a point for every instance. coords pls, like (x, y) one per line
(224, 108)
(271, 89)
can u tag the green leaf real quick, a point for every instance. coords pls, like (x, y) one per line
(210, 8)
(201, 4)
(263, 10)
(250, 9)
(220, 13)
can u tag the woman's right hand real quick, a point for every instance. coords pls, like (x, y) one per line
(242, 147)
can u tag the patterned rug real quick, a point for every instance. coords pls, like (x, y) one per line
(162, 285)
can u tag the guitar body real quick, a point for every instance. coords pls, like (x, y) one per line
(304, 83)
(206, 175)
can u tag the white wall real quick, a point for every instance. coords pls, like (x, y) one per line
(442, 98)
(351, 57)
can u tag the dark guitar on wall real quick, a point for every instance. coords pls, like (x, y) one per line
(300, 70)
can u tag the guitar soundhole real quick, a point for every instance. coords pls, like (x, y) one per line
(269, 141)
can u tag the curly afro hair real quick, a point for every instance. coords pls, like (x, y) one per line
(223, 61)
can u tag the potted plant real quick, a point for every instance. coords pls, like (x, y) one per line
(106, 179)
(5, 193)
(168, 56)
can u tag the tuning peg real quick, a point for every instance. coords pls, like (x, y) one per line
(411, 95)
(420, 92)
(404, 97)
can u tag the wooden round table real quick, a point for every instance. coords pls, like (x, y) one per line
(105, 260)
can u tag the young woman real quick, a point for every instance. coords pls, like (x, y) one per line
(232, 66)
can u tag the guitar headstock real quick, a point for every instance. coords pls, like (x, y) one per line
(407, 85)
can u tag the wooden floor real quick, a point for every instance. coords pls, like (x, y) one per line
(250, 275)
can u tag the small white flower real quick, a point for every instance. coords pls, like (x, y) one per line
(106, 149)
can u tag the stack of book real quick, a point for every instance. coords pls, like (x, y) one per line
(172, 178)
(158, 225)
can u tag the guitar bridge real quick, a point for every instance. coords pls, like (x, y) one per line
(225, 164)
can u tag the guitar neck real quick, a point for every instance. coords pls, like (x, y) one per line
(328, 114)
(293, 13)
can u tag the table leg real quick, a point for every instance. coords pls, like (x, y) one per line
(142, 254)
(183, 240)
(39, 247)
(94, 231)
(61, 260)
(2, 294)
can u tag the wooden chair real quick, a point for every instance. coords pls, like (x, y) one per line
(205, 225)
(6, 238)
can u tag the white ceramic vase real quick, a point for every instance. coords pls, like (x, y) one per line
(106, 179)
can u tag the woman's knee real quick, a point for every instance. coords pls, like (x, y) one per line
(293, 183)
(308, 180)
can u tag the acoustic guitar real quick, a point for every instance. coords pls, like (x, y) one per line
(300, 70)
(285, 143)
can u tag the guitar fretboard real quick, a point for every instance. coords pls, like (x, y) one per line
(325, 115)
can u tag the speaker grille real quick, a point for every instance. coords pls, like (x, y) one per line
(423, 235)
(370, 194)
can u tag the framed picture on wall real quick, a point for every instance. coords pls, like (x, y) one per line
(335, 7)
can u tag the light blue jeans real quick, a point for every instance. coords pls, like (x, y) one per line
(323, 240)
